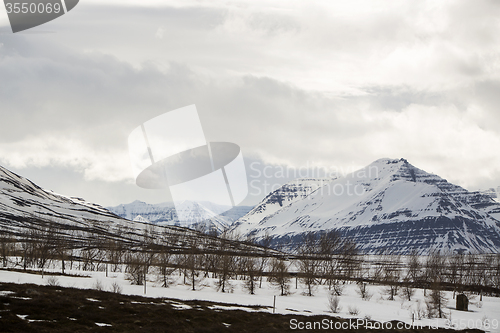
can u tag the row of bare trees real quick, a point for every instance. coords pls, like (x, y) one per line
(324, 258)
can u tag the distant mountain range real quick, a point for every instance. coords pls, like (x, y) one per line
(389, 206)
(202, 215)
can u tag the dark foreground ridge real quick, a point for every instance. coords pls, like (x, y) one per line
(32, 308)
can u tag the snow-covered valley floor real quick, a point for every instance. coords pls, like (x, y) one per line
(484, 315)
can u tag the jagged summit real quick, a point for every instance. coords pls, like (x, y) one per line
(390, 204)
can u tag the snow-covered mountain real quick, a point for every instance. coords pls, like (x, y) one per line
(389, 205)
(204, 215)
(27, 211)
(284, 196)
(24, 207)
(20, 197)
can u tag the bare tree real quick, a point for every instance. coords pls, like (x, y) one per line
(434, 266)
(166, 259)
(363, 291)
(225, 262)
(279, 275)
(116, 250)
(250, 267)
(337, 287)
(192, 263)
(414, 268)
(62, 246)
(456, 272)
(436, 301)
(308, 261)
(349, 251)
(263, 259)
(225, 268)
(495, 271)
(330, 245)
(392, 275)
(136, 267)
(7, 244)
(44, 244)
(407, 290)
(139, 260)
(90, 255)
(481, 275)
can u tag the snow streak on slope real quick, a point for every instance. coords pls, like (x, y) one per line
(389, 205)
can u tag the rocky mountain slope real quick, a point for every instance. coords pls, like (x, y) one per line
(20, 198)
(287, 194)
(389, 205)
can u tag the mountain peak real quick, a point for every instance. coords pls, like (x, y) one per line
(388, 204)
(387, 160)
(396, 169)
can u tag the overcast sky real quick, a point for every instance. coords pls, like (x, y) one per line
(337, 84)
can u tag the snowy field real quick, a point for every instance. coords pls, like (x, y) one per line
(483, 315)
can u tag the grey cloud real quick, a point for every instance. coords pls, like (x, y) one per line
(95, 82)
(66, 92)
(100, 99)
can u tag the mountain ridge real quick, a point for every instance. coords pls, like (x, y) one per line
(390, 205)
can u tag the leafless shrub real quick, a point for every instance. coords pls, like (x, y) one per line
(52, 281)
(334, 303)
(116, 288)
(353, 311)
(420, 312)
(98, 285)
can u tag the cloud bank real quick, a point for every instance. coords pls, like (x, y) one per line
(340, 84)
